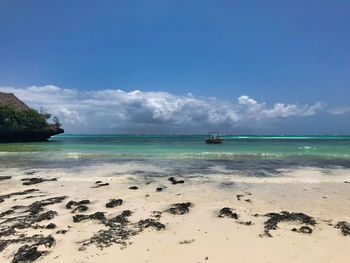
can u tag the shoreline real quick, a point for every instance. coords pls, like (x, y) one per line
(149, 232)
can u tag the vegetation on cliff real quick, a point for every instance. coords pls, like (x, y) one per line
(26, 125)
(12, 119)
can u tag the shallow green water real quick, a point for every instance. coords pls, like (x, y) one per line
(181, 146)
(182, 153)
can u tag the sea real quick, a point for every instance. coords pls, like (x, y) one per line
(181, 155)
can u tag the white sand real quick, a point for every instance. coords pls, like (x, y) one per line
(310, 191)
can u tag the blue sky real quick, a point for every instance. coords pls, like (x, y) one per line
(290, 52)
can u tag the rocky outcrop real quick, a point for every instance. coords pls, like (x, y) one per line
(36, 135)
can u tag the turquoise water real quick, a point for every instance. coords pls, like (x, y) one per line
(182, 146)
(182, 151)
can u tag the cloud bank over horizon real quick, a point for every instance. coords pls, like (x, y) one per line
(117, 111)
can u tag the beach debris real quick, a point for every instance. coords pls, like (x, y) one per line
(28, 218)
(51, 226)
(186, 241)
(248, 200)
(156, 214)
(80, 208)
(179, 208)
(174, 181)
(159, 189)
(114, 203)
(284, 216)
(30, 253)
(347, 182)
(37, 206)
(239, 197)
(120, 230)
(246, 223)
(133, 188)
(33, 196)
(303, 229)
(95, 216)
(5, 177)
(61, 231)
(146, 223)
(34, 180)
(99, 184)
(344, 227)
(74, 203)
(9, 225)
(27, 254)
(119, 219)
(7, 212)
(2, 197)
(227, 212)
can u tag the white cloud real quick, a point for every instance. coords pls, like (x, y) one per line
(116, 110)
(339, 110)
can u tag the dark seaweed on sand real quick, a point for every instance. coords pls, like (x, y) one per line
(284, 216)
(179, 208)
(120, 229)
(28, 217)
(344, 227)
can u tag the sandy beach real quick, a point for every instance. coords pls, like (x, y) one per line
(164, 219)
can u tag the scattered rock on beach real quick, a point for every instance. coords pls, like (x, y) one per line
(28, 217)
(159, 189)
(114, 203)
(9, 225)
(246, 223)
(37, 206)
(27, 254)
(95, 216)
(30, 253)
(120, 230)
(80, 208)
(186, 241)
(133, 188)
(174, 181)
(146, 223)
(51, 226)
(347, 182)
(3, 197)
(156, 214)
(284, 216)
(74, 203)
(227, 212)
(239, 197)
(7, 212)
(303, 229)
(121, 219)
(179, 208)
(99, 184)
(30, 181)
(344, 227)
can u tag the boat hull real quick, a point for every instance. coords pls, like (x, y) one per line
(213, 141)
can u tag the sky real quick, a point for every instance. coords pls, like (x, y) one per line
(167, 67)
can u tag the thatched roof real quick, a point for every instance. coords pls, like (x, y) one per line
(10, 99)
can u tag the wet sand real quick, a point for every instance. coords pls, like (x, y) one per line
(202, 219)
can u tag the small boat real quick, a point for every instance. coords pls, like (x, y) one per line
(213, 137)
